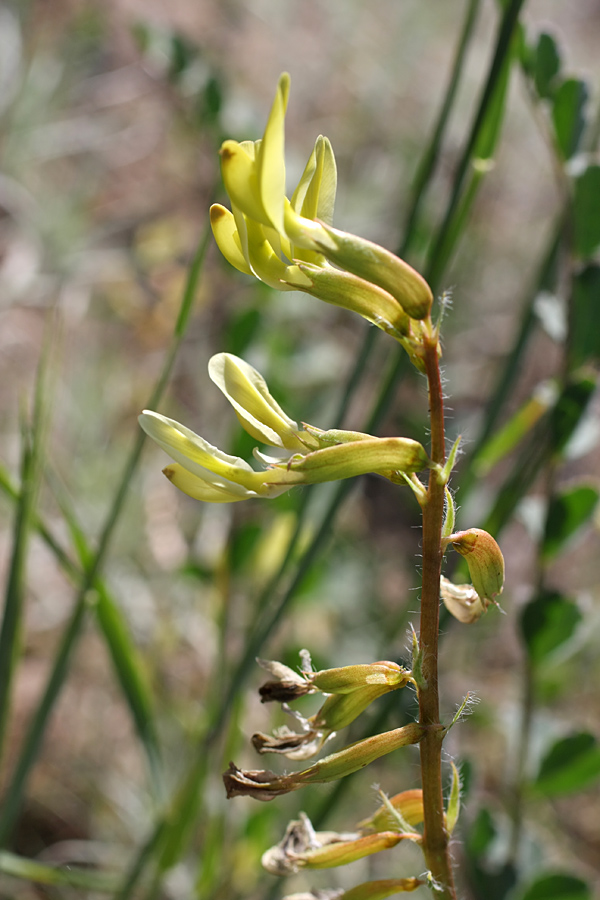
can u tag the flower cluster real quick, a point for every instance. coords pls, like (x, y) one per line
(348, 691)
(290, 244)
(307, 455)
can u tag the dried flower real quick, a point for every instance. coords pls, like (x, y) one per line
(265, 785)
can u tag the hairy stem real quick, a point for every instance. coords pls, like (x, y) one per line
(435, 838)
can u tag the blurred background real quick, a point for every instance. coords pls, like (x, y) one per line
(111, 117)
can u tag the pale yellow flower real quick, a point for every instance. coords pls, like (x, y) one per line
(292, 245)
(206, 473)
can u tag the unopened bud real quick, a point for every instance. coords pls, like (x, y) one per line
(380, 267)
(484, 559)
(351, 292)
(346, 679)
(382, 456)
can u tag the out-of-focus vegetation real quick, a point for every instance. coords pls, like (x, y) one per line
(132, 615)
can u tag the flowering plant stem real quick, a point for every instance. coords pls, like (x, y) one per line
(435, 838)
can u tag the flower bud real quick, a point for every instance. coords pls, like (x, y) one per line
(346, 679)
(353, 293)
(382, 456)
(484, 559)
(380, 267)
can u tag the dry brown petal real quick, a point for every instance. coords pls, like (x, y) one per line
(289, 743)
(462, 601)
(259, 783)
(283, 691)
(300, 838)
(288, 684)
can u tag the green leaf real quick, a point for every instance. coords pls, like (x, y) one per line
(585, 324)
(130, 673)
(241, 329)
(545, 65)
(482, 833)
(547, 622)
(40, 873)
(569, 409)
(33, 440)
(453, 808)
(190, 289)
(568, 115)
(557, 886)
(491, 128)
(586, 211)
(571, 764)
(513, 432)
(568, 511)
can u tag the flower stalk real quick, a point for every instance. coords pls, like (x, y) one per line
(435, 837)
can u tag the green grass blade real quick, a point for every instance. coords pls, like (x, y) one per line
(10, 490)
(441, 249)
(33, 739)
(31, 745)
(15, 588)
(31, 458)
(61, 876)
(146, 855)
(513, 431)
(131, 676)
(191, 285)
(429, 159)
(124, 655)
(543, 281)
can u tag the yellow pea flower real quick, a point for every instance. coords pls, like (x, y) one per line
(206, 473)
(291, 244)
(259, 413)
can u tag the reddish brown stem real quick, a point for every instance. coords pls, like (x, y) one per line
(435, 837)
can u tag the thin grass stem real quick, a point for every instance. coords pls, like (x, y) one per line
(33, 738)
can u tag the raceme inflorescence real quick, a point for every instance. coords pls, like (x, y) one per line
(291, 245)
